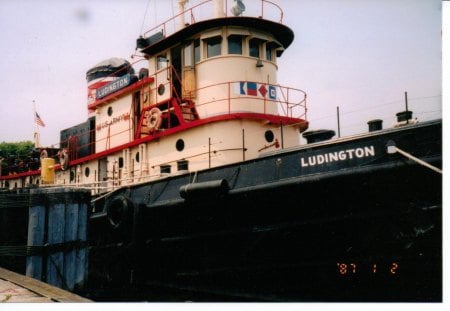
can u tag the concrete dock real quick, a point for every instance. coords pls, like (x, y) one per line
(15, 287)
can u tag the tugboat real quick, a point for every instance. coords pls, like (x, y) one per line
(201, 190)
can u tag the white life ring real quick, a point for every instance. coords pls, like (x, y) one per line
(155, 120)
(44, 154)
(64, 159)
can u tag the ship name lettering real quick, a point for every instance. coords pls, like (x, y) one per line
(114, 120)
(113, 86)
(336, 156)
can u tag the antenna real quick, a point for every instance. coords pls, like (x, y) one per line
(238, 8)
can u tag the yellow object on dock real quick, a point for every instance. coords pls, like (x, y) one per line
(48, 170)
(15, 287)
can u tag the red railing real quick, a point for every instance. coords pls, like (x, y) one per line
(289, 102)
(292, 103)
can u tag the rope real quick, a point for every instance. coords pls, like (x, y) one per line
(145, 15)
(419, 161)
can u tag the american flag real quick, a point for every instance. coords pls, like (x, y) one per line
(38, 120)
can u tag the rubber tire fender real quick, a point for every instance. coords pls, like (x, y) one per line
(64, 160)
(119, 212)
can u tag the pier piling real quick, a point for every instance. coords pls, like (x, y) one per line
(57, 236)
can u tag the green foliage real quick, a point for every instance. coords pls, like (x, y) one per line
(19, 150)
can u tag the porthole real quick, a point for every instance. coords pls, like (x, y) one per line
(179, 145)
(137, 157)
(87, 171)
(269, 136)
(161, 89)
(72, 175)
(120, 162)
(110, 111)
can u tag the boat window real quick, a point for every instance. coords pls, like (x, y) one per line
(197, 50)
(183, 165)
(235, 44)
(137, 157)
(165, 169)
(269, 136)
(272, 50)
(188, 55)
(254, 45)
(213, 46)
(161, 62)
(87, 171)
(268, 52)
(179, 144)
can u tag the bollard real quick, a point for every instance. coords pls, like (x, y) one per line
(48, 170)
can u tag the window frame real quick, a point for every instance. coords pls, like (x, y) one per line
(213, 44)
(257, 41)
(241, 47)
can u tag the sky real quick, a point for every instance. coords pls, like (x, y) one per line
(358, 55)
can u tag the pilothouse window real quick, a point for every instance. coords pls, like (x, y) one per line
(235, 44)
(213, 46)
(271, 50)
(161, 62)
(254, 47)
(197, 50)
(268, 53)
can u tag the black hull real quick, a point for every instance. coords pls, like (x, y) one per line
(333, 221)
(363, 228)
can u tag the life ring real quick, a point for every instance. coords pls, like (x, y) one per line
(119, 212)
(43, 154)
(64, 159)
(155, 120)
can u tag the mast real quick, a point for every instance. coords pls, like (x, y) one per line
(218, 9)
(181, 7)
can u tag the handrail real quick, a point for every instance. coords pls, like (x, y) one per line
(163, 24)
(288, 98)
(194, 18)
(274, 4)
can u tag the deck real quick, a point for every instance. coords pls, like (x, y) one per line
(15, 287)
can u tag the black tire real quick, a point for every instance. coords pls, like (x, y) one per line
(119, 212)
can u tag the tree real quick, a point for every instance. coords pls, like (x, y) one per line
(14, 153)
(19, 149)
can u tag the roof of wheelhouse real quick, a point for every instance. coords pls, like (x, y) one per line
(283, 34)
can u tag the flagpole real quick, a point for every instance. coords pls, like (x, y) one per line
(36, 128)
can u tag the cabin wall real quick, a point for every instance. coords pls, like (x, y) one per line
(113, 124)
(235, 84)
(215, 145)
